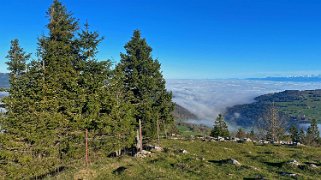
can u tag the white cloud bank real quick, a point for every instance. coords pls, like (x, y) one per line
(208, 98)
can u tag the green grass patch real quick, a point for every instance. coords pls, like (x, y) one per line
(203, 162)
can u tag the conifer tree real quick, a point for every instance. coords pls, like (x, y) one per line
(122, 123)
(220, 127)
(59, 57)
(143, 79)
(17, 65)
(294, 133)
(301, 135)
(313, 133)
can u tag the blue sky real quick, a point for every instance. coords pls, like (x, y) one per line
(194, 39)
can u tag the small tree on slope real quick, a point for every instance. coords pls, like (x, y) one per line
(220, 127)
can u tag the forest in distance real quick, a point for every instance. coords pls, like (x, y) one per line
(66, 114)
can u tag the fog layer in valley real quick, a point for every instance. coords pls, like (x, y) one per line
(208, 98)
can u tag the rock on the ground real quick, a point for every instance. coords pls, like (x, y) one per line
(313, 166)
(288, 174)
(234, 162)
(158, 148)
(183, 151)
(220, 139)
(293, 162)
(143, 154)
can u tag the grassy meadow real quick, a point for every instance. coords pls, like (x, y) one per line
(205, 160)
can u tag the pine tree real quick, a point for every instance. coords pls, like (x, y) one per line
(17, 65)
(143, 79)
(220, 127)
(58, 53)
(122, 123)
(313, 133)
(301, 135)
(23, 138)
(92, 77)
(294, 133)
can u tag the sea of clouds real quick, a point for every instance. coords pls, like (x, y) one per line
(208, 98)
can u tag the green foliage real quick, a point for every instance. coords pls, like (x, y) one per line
(142, 79)
(301, 135)
(17, 60)
(220, 127)
(294, 133)
(53, 100)
(313, 134)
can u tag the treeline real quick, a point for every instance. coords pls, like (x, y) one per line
(271, 127)
(55, 99)
(293, 105)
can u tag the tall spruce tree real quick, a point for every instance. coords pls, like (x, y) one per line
(220, 128)
(59, 56)
(301, 135)
(294, 133)
(143, 79)
(122, 123)
(313, 134)
(17, 65)
(23, 138)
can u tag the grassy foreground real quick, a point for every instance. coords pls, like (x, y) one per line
(204, 161)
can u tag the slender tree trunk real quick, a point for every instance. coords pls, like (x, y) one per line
(138, 140)
(87, 151)
(158, 131)
(140, 135)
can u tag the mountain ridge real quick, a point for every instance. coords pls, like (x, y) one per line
(293, 105)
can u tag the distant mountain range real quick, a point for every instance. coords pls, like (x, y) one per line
(181, 113)
(291, 79)
(293, 105)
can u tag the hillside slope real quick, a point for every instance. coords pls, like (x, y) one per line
(181, 113)
(204, 160)
(292, 104)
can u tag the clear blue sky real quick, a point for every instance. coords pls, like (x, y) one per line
(191, 38)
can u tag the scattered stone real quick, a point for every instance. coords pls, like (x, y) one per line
(252, 167)
(183, 151)
(298, 144)
(313, 166)
(234, 162)
(289, 174)
(293, 163)
(143, 154)
(235, 139)
(221, 139)
(158, 149)
(244, 140)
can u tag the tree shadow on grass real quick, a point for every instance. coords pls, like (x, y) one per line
(220, 162)
(274, 164)
(120, 170)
